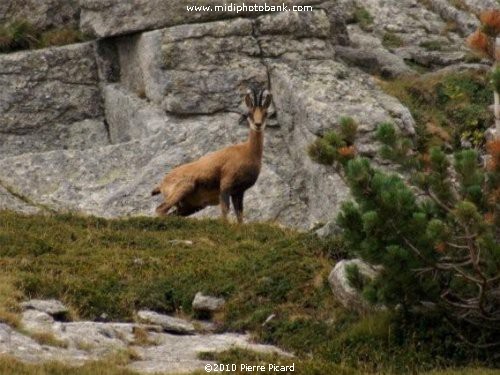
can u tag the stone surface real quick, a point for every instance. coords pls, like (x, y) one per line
(180, 354)
(85, 341)
(465, 21)
(375, 61)
(24, 348)
(311, 94)
(431, 37)
(50, 99)
(8, 201)
(193, 69)
(43, 15)
(168, 323)
(202, 302)
(116, 17)
(51, 306)
(130, 117)
(346, 294)
(36, 321)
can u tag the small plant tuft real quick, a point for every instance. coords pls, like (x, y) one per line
(363, 18)
(392, 40)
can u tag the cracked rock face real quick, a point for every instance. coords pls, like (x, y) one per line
(50, 99)
(176, 94)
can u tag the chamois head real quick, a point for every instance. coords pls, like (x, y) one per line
(257, 101)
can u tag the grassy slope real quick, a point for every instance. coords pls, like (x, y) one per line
(119, 266)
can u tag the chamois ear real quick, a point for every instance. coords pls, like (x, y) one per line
(249, 100)
(267, 100)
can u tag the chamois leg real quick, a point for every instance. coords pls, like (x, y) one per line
(224, 204)
(172, 199)
(237, 200)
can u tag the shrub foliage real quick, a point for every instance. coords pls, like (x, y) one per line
(436, 235)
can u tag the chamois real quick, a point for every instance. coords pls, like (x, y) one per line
(216, 177)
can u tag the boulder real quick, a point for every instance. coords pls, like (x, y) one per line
(50, 99)
(168, 323)
(52, 307)
(205, 303)
(103, 18)
(37, 321)
(346, 294)
(331, 228)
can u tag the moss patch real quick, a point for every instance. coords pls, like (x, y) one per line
(19, 35)
(448, 108)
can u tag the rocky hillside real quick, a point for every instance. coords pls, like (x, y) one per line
(92, 127)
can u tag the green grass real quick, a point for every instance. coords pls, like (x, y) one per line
(110, 366)
(363, 18)
(392, 40)
(432, 45)
(19, 35)
(119, 266)
(116, 267)
(447, 107)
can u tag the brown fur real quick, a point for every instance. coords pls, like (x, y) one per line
(219, 176)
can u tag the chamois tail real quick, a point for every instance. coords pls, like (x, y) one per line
(156, 191)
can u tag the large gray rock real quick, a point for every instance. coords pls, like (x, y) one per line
(205, 303)
(116, 17)
(168, 323)
(80, 180)
(51, 306)
(43, 14)
(345, 293)
(35, 321)
(50, 99)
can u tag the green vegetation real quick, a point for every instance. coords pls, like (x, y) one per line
(392, 40)
(440, 253)
(110, 366)
(20, 35)
(114, 366)
(363, 18)
(448, 107)
(432, 45)
(118, 266)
